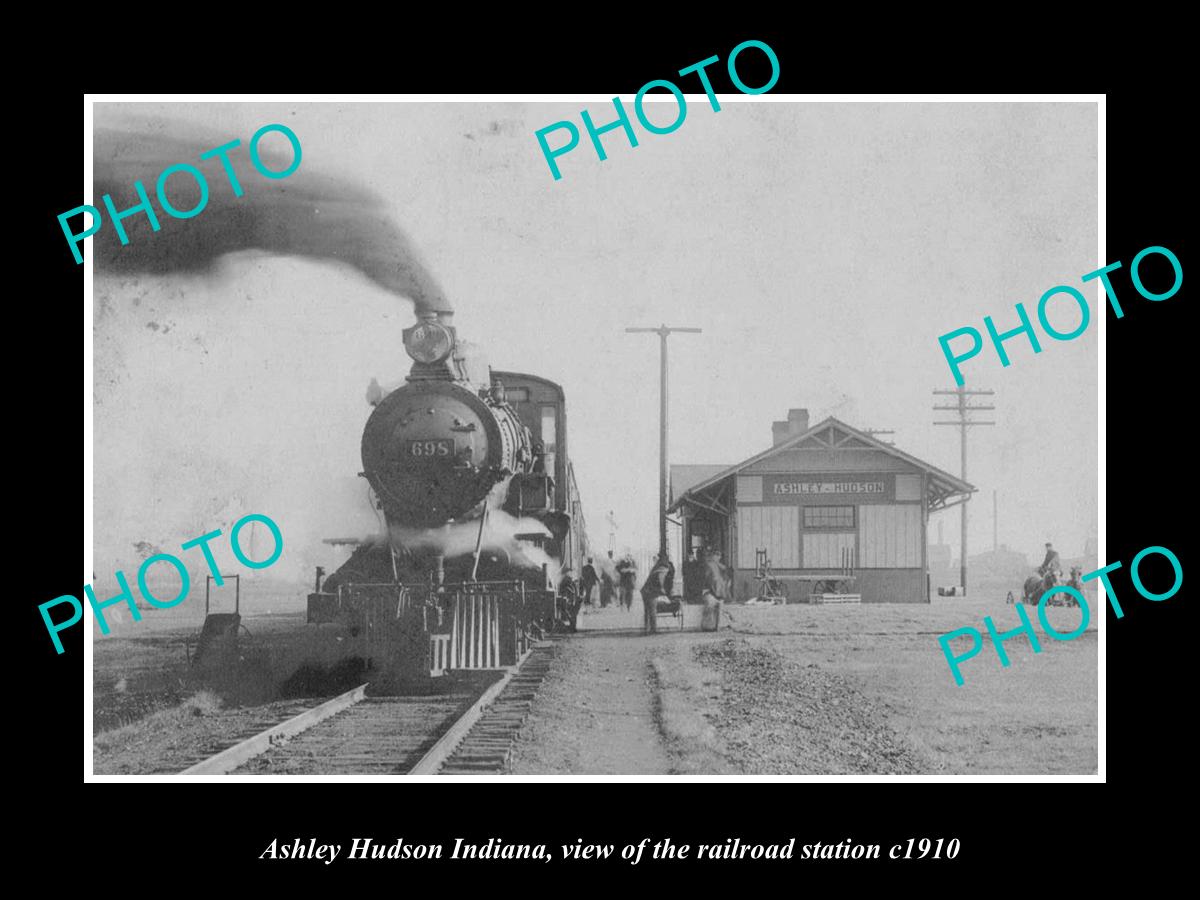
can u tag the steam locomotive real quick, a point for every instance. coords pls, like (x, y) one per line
(484, 528)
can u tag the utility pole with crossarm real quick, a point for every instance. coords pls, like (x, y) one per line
(963, 423)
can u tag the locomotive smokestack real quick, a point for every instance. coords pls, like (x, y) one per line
(430, 343)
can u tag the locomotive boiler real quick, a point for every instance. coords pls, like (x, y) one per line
(449, 455)
(436, 448)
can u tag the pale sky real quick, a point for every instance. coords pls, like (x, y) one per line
(822, 248)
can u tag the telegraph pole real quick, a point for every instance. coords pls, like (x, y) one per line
(662, 331)
(963, 424)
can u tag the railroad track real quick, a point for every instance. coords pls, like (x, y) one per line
(469, 730)
(487, 746)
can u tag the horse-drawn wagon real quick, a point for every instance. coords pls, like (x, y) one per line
(1037, 585)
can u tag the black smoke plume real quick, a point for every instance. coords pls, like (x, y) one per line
(305, 214)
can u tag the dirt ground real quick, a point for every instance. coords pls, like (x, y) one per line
(799, 689)
(595, 712)
(179, 736)
(790, 690)
(151, 714)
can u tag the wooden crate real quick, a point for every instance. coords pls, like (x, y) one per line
(836, 598)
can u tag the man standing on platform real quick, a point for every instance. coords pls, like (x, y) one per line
(716, 591)
(587, 583)
(608, 586)
(627, 573)
(658, 584)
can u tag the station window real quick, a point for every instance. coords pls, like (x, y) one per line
(829, 517)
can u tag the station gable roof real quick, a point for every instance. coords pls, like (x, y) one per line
(685, 477)
(830, 434)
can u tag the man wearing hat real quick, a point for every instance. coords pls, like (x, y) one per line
(588, 582)
(1051, 563)
(658, 584)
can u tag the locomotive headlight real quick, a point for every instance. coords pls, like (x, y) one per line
(428, 342)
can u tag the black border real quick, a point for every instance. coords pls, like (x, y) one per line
(998, 824)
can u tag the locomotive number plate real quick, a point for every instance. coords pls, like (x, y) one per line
(441, 447)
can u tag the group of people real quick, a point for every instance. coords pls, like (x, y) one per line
(619, 590)
(707, 581)
(592, 582)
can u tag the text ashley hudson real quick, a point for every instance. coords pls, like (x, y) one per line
(494, 848)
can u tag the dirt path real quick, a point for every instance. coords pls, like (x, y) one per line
(595, 713)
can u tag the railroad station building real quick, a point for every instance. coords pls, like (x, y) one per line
(827, 508)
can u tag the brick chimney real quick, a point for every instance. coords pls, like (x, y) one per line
(797, 423)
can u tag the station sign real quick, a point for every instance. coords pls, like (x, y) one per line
(836, 488)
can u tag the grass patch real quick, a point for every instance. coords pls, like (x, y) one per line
(684, 696)
(202, 703)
